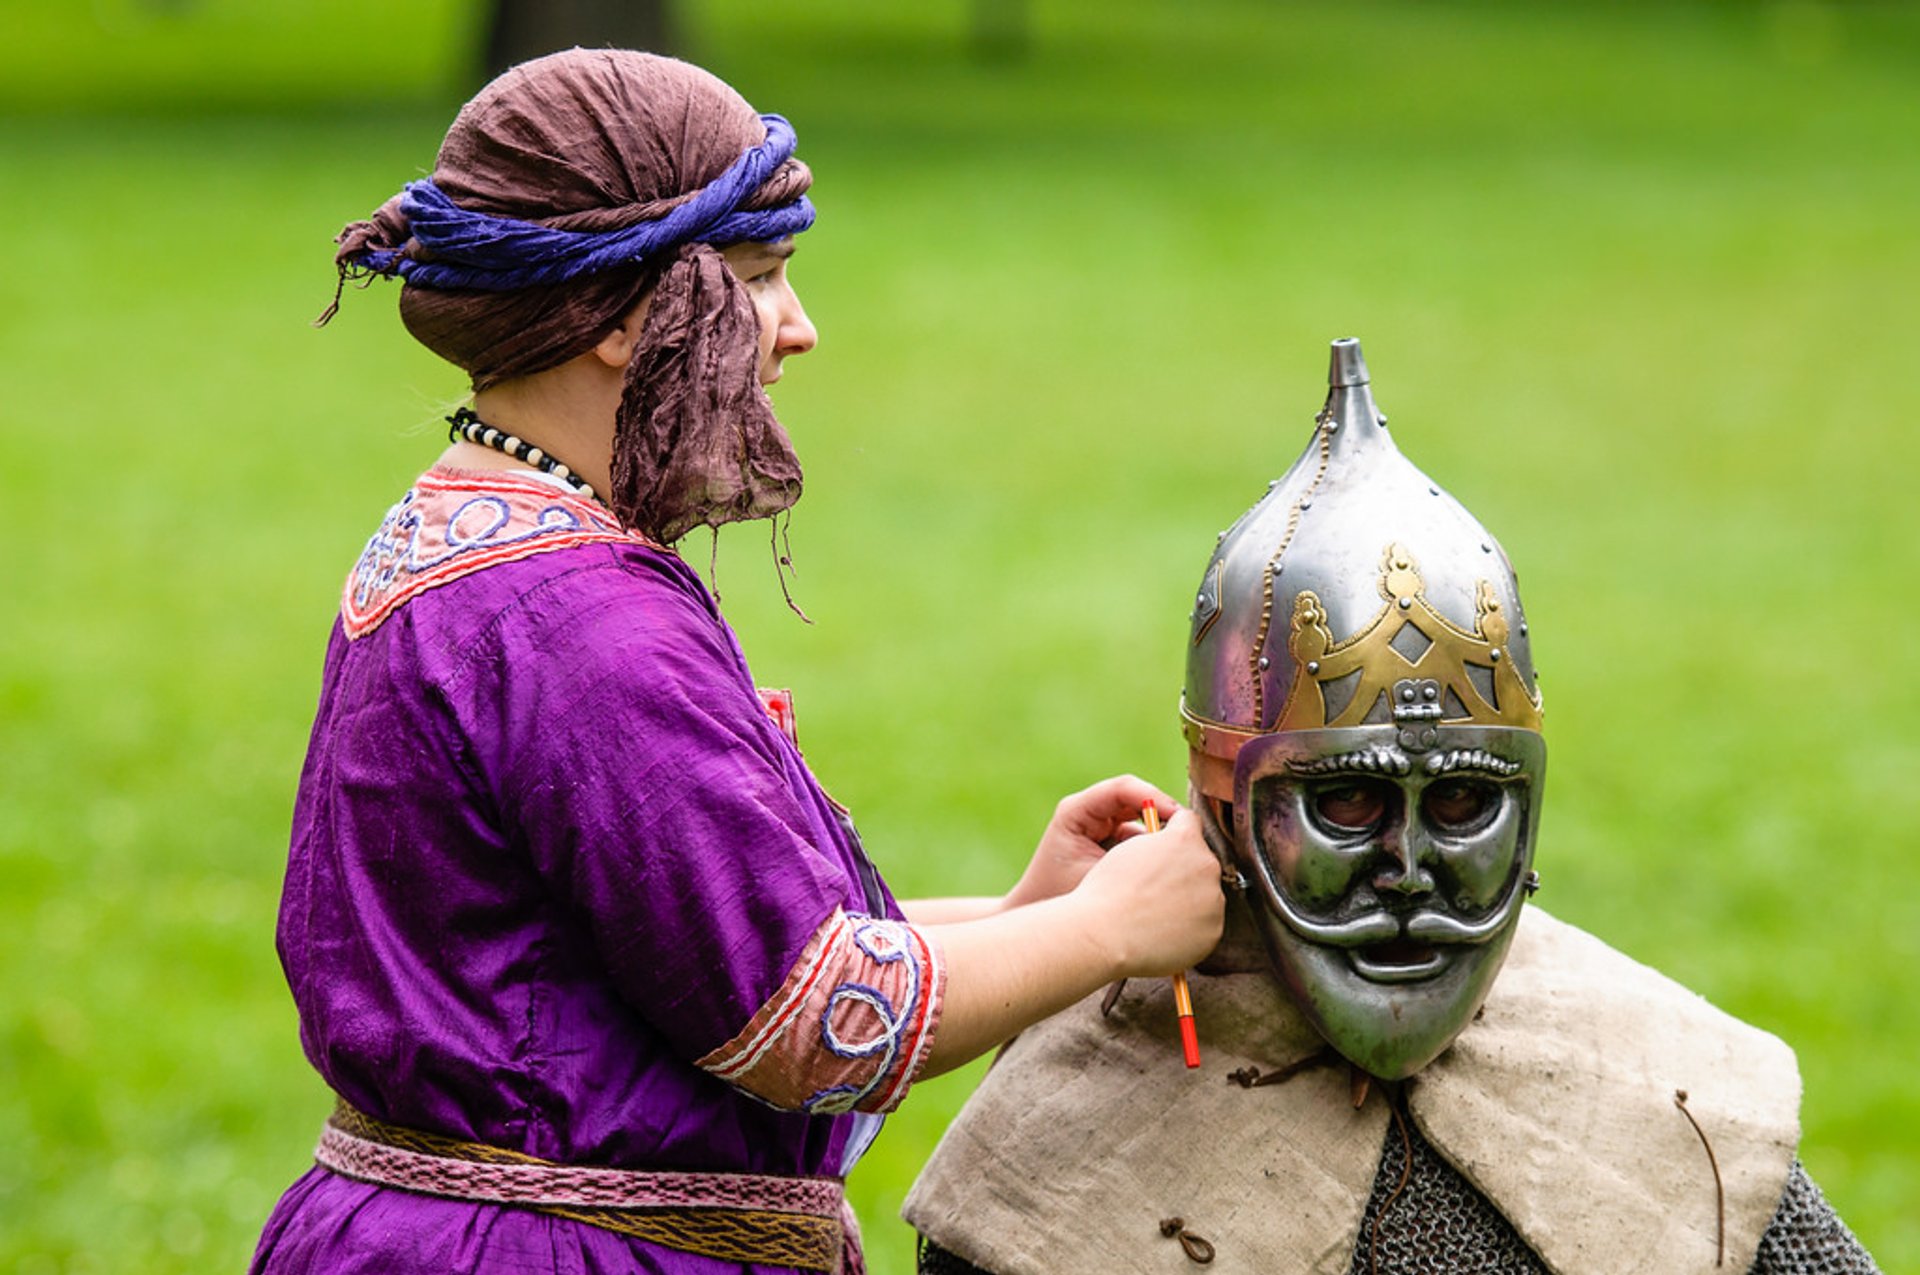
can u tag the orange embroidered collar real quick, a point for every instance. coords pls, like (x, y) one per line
(453, 522)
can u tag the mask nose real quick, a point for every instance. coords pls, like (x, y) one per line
(1404, 855)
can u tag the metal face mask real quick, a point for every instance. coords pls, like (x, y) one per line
(1388, 884)
(1365, 729)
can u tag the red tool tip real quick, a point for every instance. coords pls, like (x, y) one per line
(1189, 1042)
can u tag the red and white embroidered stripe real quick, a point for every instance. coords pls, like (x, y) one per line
(920, 1039)
(825, 953)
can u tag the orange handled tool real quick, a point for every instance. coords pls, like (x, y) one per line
(1182, 995)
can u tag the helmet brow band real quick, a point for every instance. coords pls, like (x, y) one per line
(1364, 761)
(1474, 760)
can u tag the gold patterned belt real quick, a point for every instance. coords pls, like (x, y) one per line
(765, 1220)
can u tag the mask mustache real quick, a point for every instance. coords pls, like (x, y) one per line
(1423, 925)
(1438, 927)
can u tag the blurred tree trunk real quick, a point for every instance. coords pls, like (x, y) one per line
(522, 29)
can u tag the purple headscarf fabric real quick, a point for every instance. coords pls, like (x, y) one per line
(464, 248)
(658, 161)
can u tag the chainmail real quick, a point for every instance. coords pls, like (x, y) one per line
(935, 1260)
(1439, 1224)
(1806, 1237)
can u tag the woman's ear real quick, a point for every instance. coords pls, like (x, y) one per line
(616, 347)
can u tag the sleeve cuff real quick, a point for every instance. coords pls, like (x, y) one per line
(850, 1028)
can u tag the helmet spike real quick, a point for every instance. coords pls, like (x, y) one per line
(1350, 417)
(1349, 366)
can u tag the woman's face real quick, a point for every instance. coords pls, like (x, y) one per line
(784, 326)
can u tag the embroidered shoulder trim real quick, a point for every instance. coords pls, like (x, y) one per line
(452, 524)
(849, 1029)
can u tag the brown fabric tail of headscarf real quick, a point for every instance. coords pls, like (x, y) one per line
(696, 441)
(386, 229)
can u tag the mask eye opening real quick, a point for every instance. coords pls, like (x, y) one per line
(1351, 807)
(1461, 806)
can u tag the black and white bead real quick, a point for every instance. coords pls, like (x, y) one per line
(465, 427)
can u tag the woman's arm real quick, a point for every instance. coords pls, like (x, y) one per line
(951, 911)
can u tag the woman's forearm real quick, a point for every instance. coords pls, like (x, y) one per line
(1008, 970)
(950, 910)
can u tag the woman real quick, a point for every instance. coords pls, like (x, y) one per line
(602, 978)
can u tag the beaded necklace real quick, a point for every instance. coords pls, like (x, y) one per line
(465, 427)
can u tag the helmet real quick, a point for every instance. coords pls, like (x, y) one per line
(1364, 736)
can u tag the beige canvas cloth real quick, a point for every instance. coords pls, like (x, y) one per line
(1558, 1104)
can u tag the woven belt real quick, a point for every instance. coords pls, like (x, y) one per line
(803, 1223)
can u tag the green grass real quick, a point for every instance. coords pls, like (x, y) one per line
(1639, 286)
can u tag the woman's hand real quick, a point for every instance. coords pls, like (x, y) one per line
(1085, 825)
(1149, 906)
(1156, 899)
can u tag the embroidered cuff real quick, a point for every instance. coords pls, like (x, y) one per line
(850, 1028)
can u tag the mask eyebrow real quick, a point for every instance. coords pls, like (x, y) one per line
(1473, 761)
(1378, 760)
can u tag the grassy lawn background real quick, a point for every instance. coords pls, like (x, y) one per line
(1638, 286)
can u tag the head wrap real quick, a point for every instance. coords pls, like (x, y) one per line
(568, 190)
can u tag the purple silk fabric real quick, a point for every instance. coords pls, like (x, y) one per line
(547, 849)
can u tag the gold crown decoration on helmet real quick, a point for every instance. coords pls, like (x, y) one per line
(1461, 676)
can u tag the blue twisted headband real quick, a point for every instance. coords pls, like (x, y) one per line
(473, 250)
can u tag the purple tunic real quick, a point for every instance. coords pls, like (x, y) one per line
(549, 851)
